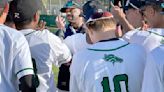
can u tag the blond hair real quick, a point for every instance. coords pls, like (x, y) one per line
(105, 24)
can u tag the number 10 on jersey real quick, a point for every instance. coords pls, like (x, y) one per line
(116, 80)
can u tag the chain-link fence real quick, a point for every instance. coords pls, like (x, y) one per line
(53, 6)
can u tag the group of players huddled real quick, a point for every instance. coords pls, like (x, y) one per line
(119, 50)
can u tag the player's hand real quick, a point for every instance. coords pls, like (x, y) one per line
(4, 14)
(60, 22)
(118, 31)
(117, 11)
(41, 25)
(144, 26)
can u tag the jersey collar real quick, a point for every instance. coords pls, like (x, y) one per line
(27, 31)
(111, 39)
(108, 45)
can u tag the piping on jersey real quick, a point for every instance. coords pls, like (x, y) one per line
(29, 33)
(156, 34)
(24, 70)
(162, 41)
(109, 49)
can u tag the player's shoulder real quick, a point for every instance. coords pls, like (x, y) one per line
(136, 46)
(136, 50)
(46, 35)
(81, 56)
(133, 49)
(157, 54)
(12, 33)
(44, 32)
(77, 36)
(136, 32)
(82, 53)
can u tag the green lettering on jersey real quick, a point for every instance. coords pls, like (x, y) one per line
(116, 81)
(112, 58)
(105, 84)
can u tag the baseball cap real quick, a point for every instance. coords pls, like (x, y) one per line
(156, 2)
(92, 6)
(99, 15)
(24, 9)
(69, 4)
(135, 4)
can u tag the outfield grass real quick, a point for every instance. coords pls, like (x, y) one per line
(55, 70)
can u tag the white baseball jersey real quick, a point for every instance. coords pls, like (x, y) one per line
(112, 66)
(150, 39)
(154, 71)
(47, 49)
(76, 42)
(15, 59)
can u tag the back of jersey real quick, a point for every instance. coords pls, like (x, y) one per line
(15, 59)
(113, 66)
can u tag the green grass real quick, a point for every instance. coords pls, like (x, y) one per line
(55, 70)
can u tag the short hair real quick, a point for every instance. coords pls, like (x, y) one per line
(102, 24)
(156, 6)
(21, 25)
(101, 21)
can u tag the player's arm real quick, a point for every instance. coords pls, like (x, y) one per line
(23, 67)
(136, 36)
(60, 51)
(28, 83)
(121, 18)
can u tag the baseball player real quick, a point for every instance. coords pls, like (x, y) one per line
(46, 48)
(110, 64)
(75, 18)
(16, 69)
(153, 74)
(75, 25)
(151, 38)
